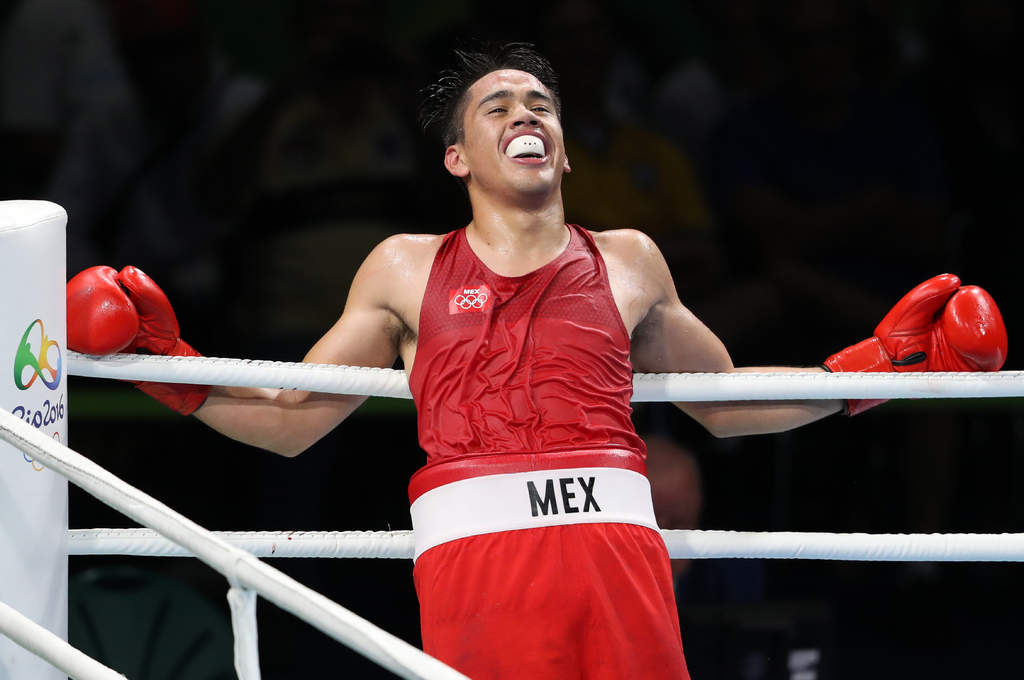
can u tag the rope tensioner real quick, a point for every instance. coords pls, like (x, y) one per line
(383, 382)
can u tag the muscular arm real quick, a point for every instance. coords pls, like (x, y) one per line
(668, 338)
(736, 418)
(369, 333)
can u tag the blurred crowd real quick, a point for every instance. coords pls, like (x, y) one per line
(801, 163)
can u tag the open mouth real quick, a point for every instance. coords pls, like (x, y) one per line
(525, 147)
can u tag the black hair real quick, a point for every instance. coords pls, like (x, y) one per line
(443, 103)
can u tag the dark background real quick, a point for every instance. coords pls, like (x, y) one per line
(800, 164)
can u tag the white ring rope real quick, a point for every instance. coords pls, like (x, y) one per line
(382, 382)
(329, 544)
(240, 568)
(681, 543)
(45, 644)
(373, 382)
(234, 553)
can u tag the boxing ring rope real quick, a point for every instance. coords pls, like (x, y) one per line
(647, 387)
(246, 574)
(235, 554)
(681, 543)
(41, 642)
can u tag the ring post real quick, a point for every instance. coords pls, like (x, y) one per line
(33, 356)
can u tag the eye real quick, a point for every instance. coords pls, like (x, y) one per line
(497, 109)
(542, 109)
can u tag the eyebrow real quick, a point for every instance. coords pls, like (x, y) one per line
(505, 94)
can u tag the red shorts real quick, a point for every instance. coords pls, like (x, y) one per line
(591, 601)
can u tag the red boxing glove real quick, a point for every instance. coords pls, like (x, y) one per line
(101, 318)
(938, 326)
(158, 334)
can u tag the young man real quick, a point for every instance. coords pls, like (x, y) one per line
(537, 549)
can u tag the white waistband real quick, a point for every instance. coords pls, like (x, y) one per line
(526, 500)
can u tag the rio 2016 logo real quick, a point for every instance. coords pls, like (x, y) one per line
(38, 363)
(38, 357)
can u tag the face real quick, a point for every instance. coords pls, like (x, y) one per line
(512, 138)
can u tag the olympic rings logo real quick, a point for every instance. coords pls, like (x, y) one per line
(39, 364)
(32, 461)
(471, 301)
(475, 298)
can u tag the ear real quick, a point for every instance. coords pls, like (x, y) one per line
(453, 162)
(565, 165)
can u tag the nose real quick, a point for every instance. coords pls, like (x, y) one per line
(524, 116)
(525, 122)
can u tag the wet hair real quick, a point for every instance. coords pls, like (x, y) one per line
(444, 101)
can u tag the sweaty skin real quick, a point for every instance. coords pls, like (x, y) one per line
(518, 226)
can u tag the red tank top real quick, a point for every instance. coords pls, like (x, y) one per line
(537, 363)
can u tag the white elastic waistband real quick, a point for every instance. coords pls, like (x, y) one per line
(526, 500)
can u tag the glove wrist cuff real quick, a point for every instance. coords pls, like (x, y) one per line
(867, 356)
(182, 349)
(185, 399)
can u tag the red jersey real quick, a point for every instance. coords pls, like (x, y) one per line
(523, 364)
(514, 375)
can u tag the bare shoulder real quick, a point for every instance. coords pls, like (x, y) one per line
(395, 264)
(632, 254)
(393, 277)
(405, 251)
(665, 335)
(637, 273)
(628, 244)
(634, 259)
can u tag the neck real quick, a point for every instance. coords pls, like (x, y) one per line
(524, 224)
(513, 242)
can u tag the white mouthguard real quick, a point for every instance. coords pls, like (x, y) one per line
(525, 144)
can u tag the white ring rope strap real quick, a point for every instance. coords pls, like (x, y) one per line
(682, 544)
(243, 570)
(381, 382)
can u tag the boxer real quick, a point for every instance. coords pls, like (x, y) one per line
(537, 552)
